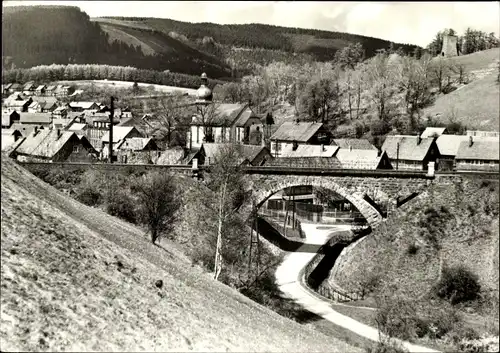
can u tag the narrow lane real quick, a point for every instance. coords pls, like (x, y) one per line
(293, 287)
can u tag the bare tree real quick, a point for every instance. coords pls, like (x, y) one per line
(226, 180)
(208, 116)
(158, 202)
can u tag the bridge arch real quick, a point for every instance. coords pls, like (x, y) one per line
(262, 189)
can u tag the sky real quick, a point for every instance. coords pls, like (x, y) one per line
(401, 22)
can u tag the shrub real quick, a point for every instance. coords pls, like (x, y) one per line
(89, 196)
(396, 318)
(412, 249)
(386, 346)
(458, 284)
(121, 205)
(380, 127)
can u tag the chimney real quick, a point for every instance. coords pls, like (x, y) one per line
(323, 148)
(419, 139)
(35, 131)
(470, 141)
(350, 148)
(58, 133)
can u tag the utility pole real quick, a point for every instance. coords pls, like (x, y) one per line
(397, 155)
(110, 150)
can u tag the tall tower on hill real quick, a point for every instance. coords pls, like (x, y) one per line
(449, 45)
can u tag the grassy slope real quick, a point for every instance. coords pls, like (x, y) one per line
(476, 105)
(470, 237)
(74, 278)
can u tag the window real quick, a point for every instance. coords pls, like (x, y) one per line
(75, 149)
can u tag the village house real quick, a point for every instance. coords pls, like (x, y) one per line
(356, 144)
(9, 118)
(371, 159)
(9, 137)
(17, 102)
(6, 89)
(137, 150)
(120, 133)
(29, 87)
(224, 123)
(478, 155)
(293, 134)
(15, 87)
(140, 123)
(410, 152)
(249, 154)
(448, 147)
(307, 156)
(38, 119)
(40, 90)
(50, 90)
(81, 106)
(25, 130)
(55, 146)
(42, 105)
(60, 112)
(62, 91)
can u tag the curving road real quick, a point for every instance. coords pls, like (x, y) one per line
(288, 278)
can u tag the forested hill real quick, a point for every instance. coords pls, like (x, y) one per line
(64, 34)
(44, 35)
(322, 44)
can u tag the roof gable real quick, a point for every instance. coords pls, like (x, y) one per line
(409, 149)
(293, 131)
(119, 133)
(480, 150)
(359, 144)
(433, 132)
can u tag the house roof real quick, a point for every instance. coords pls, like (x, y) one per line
(40, 87)
(77, 127)
(244, 116)
(137, 144)
(307, 162)
(225, 114)
(358, 159)
(485, 149)
(119, 133)
(448, 144)
(16, 86)
(17, 103)
(60, 109)
(358, 144)
(35, 118)
(51, 88)
(45, 143)
(24, 129)
(309, 151)
(408, 147)
(247, 152)
(293, 131)
(433, 131)
(7, 86)
(82, 105)
(10, 132)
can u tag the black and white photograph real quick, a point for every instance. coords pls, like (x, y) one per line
(250, 176)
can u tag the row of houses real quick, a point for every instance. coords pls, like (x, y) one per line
(32, 89)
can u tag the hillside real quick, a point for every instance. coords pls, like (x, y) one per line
(475, 104)
(248, 44)
(74, 278)
(444, 227)
(64, 35)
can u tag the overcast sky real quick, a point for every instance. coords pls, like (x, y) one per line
(403, 22)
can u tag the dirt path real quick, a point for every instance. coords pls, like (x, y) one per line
(288, 279)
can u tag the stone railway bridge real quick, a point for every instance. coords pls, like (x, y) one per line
(365, 189)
